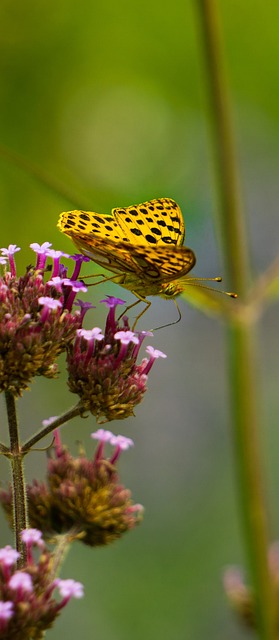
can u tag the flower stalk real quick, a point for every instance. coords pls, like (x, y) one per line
(241, 338)
(18, 481)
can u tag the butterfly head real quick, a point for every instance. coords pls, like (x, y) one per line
(171, 290)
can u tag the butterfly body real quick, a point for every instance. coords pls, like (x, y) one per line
(141, 244)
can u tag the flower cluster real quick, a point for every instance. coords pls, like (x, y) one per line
(37, 323)
(27, 603)
(83, 497)
(103, 370)
(36, 319)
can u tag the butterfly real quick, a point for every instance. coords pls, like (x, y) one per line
(142, 244)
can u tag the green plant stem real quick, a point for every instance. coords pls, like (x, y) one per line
(58, 422)
(242, 352)
(18, 483)
(61, 549)
(230, 219)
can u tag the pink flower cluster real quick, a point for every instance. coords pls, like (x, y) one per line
(27, 595)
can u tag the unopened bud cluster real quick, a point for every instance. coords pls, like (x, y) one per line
(240, 595)
(83, 497)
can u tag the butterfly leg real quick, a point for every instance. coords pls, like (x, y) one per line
(171, 323)
(147, 303)
(140, 299)
(100, 275)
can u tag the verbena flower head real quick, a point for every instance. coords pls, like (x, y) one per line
(83, 497)
(36, 319)
(30, 598)
(103, 367)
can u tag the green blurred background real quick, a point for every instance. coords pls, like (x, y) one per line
(107, 102)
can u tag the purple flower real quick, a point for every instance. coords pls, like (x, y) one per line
(121, 443)
(126, 337)
(6, 610)
(104, 373)
(75, 287)
(90, 334)
(111, 302)
(21, 582)
(154, 355)
(27, 604)
(9, 253)
(102, 434)
(36, 322)
(56, 282)
(8, 556)
(32, 537)
(78, 258)
(6, 613)
(84, 307)
(41, 251)
(69, 589)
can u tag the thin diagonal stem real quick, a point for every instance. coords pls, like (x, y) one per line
(242, 352)
(58, 422)
(50, 182)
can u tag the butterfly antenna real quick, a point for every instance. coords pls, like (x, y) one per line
(196, 283)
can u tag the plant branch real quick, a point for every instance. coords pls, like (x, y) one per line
(68, 415)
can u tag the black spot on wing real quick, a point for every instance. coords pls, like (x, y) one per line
(149, 238)
(98, 219)
(168, 240)
(156, 231)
